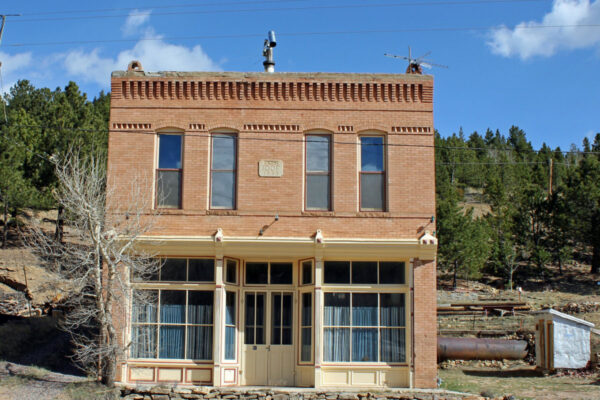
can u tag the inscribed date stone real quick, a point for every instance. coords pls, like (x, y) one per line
(270, 168)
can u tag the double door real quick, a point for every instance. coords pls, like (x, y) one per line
(269, 338)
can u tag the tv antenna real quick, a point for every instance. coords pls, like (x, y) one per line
(415, 64)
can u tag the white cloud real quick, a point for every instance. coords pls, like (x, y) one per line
(11, 63)
(135, 19)
(152, 51)
(530, 39)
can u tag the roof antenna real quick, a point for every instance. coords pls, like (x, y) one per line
(270, 42)
(415, 64)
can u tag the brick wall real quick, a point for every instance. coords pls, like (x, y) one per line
(282, 107)
(425, 324)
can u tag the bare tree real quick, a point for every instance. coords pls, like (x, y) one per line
(97, 263)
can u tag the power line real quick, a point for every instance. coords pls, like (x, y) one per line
(304, 8)
(293, 34)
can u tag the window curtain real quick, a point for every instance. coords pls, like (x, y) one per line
(337, 309)
(172, 311)
(171, 341)
(393, 345)
(393, 341)
(143, 341)
(364, 344)
(364, 309)
(199, 342)
(337, 344)
(230, 343)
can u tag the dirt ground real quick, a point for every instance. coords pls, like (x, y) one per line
(523, 382)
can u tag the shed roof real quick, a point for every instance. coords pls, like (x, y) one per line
(565, 316)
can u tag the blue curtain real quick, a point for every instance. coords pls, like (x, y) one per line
(199, 343)
(337, 309)
(172, 307)
(230, 343)
(364, 309)
(392, 309)
(393, 345)
(364, 344)
(336, 344)
(171, 342)
(200, 308)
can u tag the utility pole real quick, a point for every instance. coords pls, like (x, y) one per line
(3, 16)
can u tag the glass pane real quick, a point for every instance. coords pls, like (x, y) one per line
(364, 272)
(199, 342)
(276, 319)
(200, 308)
(317, 192)
(169, 189)
(281, 273)
(337, 309)
(336, 344)
(230, 343)
(201, 270)
(231, 272)
(260, 318)
(257, 272)
(337, 272)
(287, 310)
(223, 189)
(306, 309)
(250, 311)
(392, 309)
(171, 341)
(223, 152)
(364, 345)
(172, 307)
(145, 306)
(371, 153)
(391, 272)
(286, 336)
(393, 345)
(317, 153)
(371, 191)
(230, 308)
(173, 269)
(364, 309)
(307, 276)
(169, 155)
(306, 349)
(143, 341)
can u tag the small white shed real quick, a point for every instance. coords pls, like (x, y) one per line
(561, 340)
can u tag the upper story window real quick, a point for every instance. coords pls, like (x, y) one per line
(170, 168)
(223, 171)
(318, 172)
(372, 173)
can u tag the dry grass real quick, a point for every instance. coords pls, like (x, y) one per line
(522, 382)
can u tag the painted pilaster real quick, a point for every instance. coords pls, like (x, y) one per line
(219, 328)
(318, 324)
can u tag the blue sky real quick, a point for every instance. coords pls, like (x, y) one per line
(529, 63)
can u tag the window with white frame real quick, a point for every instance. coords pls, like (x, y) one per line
(169, 172)
(223, 171)
(306, 328)
(364, 327)
(372, 173)
(230, 325)
(318, 172)
(274, 273)
(182, 270)
(364, 272)
(172, 324)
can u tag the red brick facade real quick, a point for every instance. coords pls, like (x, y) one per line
(270, 114)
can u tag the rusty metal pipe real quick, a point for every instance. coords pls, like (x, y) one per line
(450, 348)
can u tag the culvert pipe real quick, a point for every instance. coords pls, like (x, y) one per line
(451, 348)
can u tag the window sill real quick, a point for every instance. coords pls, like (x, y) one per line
(224, 212)
(373, 214)
(318, 213)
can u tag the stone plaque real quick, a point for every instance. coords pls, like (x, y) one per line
(270, 168)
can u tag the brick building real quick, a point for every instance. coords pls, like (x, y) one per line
(295, 211)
